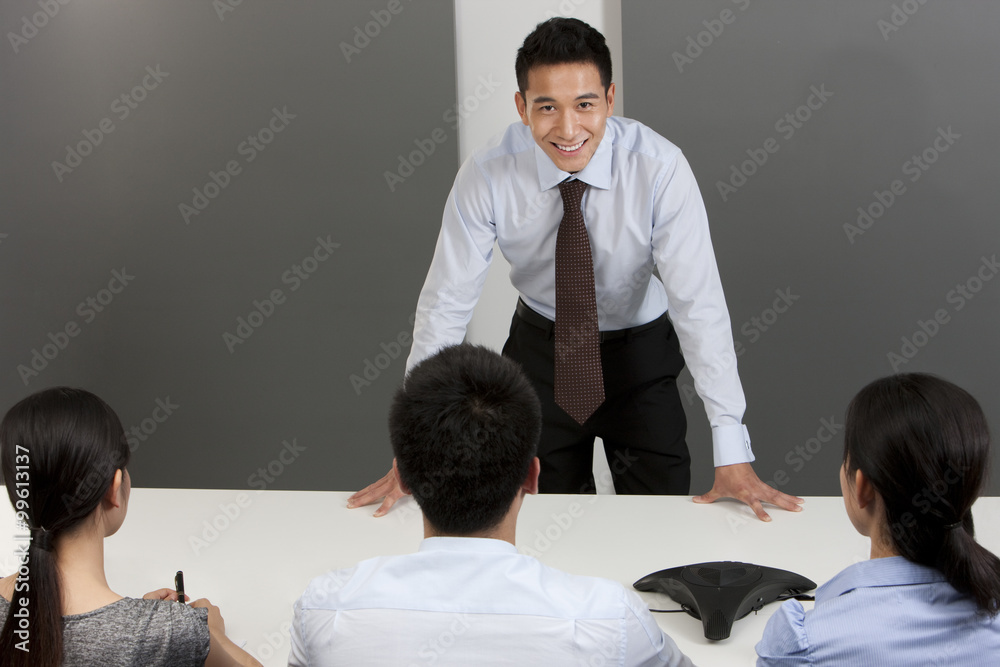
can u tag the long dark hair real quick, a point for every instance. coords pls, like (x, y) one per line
(924, 444)
(70, 443)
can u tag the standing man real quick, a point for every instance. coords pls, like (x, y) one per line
(588, 208)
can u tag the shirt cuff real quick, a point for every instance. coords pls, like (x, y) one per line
(731, 444)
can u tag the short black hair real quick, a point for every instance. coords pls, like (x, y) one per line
(464, 429)
(561, 40)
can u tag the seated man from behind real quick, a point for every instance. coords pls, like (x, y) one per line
(464, 431)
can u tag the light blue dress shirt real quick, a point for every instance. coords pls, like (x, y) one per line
(886, 612)
(643, 212)
(473, 601)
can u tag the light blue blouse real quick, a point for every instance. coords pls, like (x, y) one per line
(883, 612)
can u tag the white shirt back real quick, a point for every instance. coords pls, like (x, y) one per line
(464, 601)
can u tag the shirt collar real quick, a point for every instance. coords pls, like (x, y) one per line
(467, 544)
(893, 571)
(597, 172)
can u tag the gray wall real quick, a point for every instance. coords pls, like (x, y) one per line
(898, 81)
(322, 177)
(307, 212)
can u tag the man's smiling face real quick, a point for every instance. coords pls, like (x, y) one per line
(566, 108)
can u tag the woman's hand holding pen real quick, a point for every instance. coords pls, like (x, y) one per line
(163, 594)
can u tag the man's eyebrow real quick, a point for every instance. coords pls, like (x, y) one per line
(547, 100)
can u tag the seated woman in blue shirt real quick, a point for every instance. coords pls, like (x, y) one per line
(916, 451)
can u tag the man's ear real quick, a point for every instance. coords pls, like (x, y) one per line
(530, 485)
(522, 106)
(111, 495)
(611, 99)
(399, 480)
(864, 492)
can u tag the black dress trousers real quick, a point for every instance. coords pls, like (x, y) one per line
(641, 421)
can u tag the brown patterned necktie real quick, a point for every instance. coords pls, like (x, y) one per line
(579, 379)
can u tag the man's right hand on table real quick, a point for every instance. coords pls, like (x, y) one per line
(387, 487)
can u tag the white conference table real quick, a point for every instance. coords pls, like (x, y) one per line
(267, 545)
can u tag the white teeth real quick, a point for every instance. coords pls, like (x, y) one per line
(570, 149)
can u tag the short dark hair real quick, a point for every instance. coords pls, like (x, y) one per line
(924, 445)
(464, 429)
(561, 40)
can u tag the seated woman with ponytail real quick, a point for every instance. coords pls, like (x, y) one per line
(64, 457)
(916, 452)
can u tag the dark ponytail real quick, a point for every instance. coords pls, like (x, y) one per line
(59, 451)
(924, 444)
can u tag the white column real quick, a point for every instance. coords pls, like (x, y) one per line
(488, 34)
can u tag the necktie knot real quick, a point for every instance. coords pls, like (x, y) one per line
(572, 194)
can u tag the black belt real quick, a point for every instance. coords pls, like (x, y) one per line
(535, 319)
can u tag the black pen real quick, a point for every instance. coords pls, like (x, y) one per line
(179, 585)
